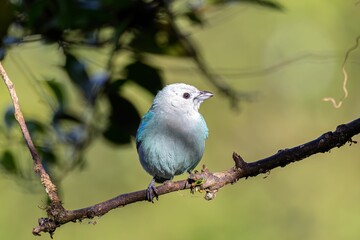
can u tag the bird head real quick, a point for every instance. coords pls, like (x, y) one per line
(181, 96)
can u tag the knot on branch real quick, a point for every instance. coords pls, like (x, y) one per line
(204, 181)
(56, 211)
(45, 225)
(212, 182)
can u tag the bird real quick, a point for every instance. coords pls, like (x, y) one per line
(171, 136)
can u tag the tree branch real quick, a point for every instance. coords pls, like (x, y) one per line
(202, 181)
(50, 188)
(205, 180)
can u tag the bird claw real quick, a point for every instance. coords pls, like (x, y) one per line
(152, 192)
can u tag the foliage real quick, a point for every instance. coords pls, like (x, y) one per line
(134, 27)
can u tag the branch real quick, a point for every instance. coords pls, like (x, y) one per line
(198, 181)
(205, 180)
(49, 186)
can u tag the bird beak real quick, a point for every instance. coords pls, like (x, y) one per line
(203, 96)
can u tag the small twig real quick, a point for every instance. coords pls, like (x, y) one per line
(345, 78)
(206, 180)
(50, 187)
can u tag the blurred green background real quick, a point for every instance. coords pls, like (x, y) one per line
(292, 59)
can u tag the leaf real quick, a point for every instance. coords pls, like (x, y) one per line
(195, 18)
(97, 84)
(262, 3)
(90, 4)
(7, 161)
(159, 38)
(69, 128)
(9, 40)
(123, 118)
(35, 126)
(58, 92)
(145, 75)
(9, 117)
(265, 3)
(78, 74)
(62, 115)
(47, 155)
(2, 53)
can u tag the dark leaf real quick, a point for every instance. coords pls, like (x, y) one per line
(58, 92)
(265, 3)
(7, 161)
(115, 134)
(123, 119)
(2, 53)
(8, 40)
(47, 155)
(97, 83)
(195, 18)
(6, 17)
(35, 126)
(60, 115)
(262, 3)
(69, 128)
(78, 75)
(159, 38)
(9, 117)
(89, 4)
(89, 86)
(145, 75)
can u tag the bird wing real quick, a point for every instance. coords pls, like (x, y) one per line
(205, 126)
(144, 121)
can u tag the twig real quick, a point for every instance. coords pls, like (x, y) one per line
(205, 180)
(345, 78)
(50, 188)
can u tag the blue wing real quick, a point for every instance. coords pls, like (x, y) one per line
(144, 122)
(204, 126)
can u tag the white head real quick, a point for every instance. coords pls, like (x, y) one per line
(180, 96)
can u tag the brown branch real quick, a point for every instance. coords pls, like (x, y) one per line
(50, 188)
(205, 180)
(202, 181)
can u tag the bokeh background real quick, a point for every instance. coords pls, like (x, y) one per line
(292, 59)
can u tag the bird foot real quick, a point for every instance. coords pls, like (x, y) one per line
(151, 192)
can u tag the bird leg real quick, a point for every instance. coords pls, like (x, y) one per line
(151, 192)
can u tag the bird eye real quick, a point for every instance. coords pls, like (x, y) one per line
(186, 95)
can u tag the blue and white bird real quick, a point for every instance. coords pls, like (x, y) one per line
(171, 137)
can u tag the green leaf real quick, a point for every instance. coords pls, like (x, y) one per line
(145, 75)
(262, 3)
(7, 161)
